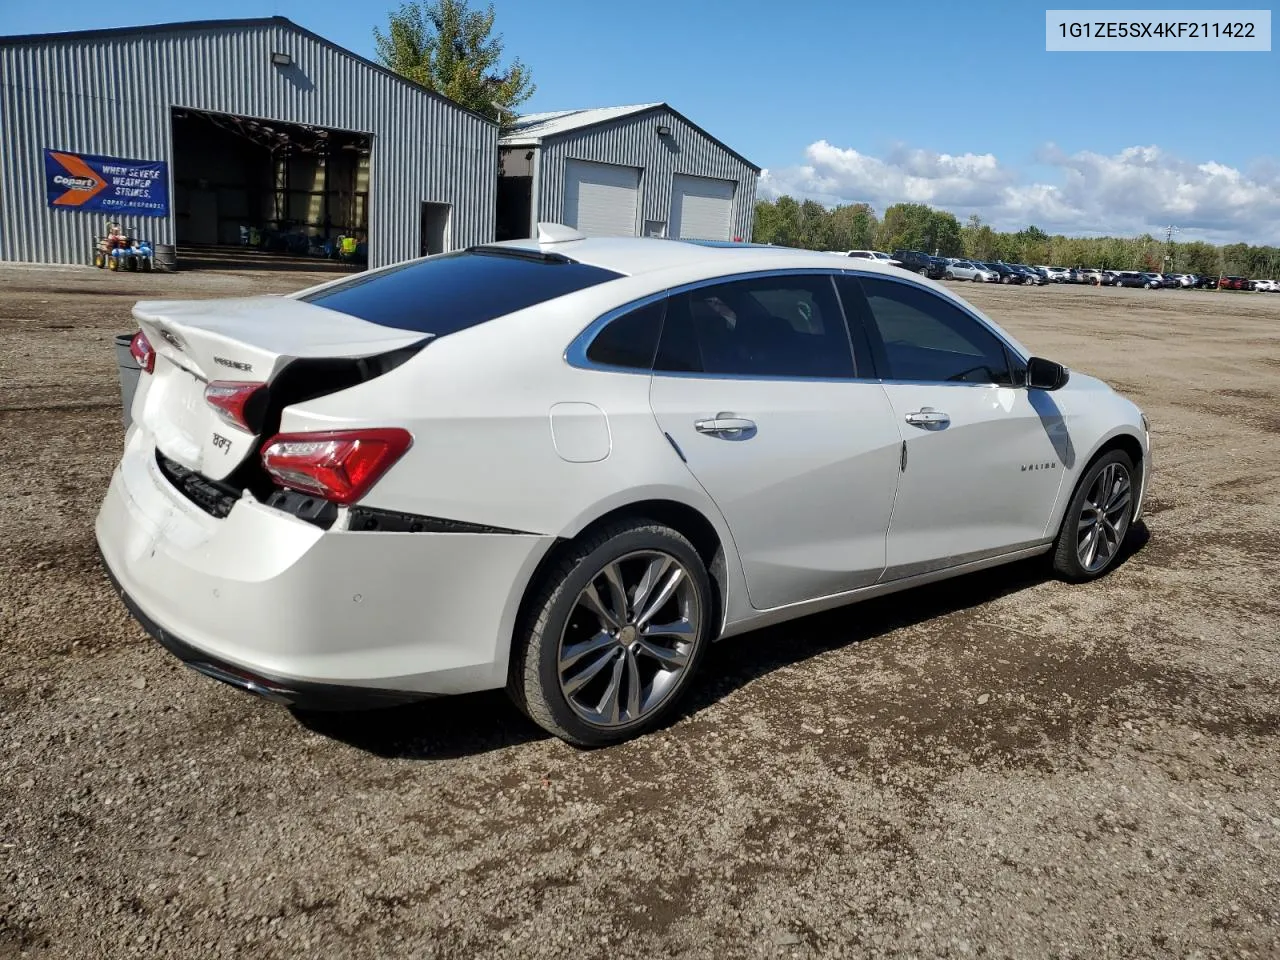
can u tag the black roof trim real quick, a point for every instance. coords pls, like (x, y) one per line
(520, 253)
(184, 25)
(516, 135)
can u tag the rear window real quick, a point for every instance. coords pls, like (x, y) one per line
(445, 294)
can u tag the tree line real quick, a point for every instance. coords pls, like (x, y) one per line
(917, 226)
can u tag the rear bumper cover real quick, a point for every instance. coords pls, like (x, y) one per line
(297, 694)
(279, 606)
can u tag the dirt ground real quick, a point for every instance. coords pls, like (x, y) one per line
(999, 766)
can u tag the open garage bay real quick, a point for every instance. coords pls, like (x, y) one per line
(999, 765)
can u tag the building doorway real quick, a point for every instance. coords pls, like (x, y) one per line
(435, 228)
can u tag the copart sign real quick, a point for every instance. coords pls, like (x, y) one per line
(83, 181)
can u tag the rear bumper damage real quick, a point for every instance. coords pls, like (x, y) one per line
(299, 614)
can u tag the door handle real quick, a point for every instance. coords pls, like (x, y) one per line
(928, 418)
(728, 428)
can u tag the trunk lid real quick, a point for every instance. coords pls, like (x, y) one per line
(247, 340)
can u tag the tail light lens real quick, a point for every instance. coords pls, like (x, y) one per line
(142, 352)
(234, 402)
(339, 465)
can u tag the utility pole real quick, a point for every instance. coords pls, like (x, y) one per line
(1169, 232)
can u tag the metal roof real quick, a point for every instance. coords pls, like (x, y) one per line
(532, 129)
(229, 24)
(535, 126)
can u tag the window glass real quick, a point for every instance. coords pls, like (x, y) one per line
(631, 339)
(445, 294)
(929, 339)
(781, 326)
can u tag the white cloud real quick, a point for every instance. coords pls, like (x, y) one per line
(1140, 189)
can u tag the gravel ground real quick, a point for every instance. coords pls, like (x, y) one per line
(998, 766)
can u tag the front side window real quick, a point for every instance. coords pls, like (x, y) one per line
(779, 326)
(926, 338)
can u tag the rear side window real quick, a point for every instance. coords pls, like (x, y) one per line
(780, 326)
(630, 340)
(443, 295)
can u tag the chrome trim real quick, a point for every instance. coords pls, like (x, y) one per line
(758, 619)
(576, 353)
(905, 571)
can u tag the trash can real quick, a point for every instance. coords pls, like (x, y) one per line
(165, 257)
(129, 372)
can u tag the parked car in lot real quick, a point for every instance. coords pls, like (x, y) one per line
(1090, 275)
(1207, 283)
(566, 466)
(1186, 280)
(1030, 274)
(970, 270)
(1233, 283)
(1055, 274)
(1169, 281)
(1130, 278)
(1266, 286)
(1005, 272)
(932, 267)
(873, 255)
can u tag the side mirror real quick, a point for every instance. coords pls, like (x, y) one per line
(1046, 375)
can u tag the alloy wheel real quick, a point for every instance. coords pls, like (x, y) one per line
(1104, 518)
(629, 638)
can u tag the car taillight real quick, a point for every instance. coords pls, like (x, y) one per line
(338, 465)
(234, 402)
(142, 352)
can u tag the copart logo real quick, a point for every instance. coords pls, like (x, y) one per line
(75, 183)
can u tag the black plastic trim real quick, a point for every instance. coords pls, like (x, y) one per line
(214, 498)
(296, 694)
(520, 253)
(374, 520)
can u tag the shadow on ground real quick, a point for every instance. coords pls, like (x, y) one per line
(451, 727)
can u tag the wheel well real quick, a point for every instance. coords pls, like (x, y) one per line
(1125, 442)
(678, 516)
(1129, 444)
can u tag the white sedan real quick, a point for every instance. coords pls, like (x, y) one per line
(566, 466)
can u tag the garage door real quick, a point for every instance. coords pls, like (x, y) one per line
(601, 199)
(701, 207)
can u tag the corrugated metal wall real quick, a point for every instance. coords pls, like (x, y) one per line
(113, 95)
(634, 141)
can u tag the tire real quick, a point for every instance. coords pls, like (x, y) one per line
(923, 271)
(1006, 280)
(558, 616)
(948, 276)
(1072, 560)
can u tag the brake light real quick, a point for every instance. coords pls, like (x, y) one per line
(142, 352)
(231, 401)
(338, 465)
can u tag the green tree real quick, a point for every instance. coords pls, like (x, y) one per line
(942, 234)
(1199, 258)
(447, 47)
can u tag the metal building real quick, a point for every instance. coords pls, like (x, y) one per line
(223, 132)
(643, 170)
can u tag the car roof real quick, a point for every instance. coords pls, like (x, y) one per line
(633, 256)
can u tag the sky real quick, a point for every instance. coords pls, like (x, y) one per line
(954, 105)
